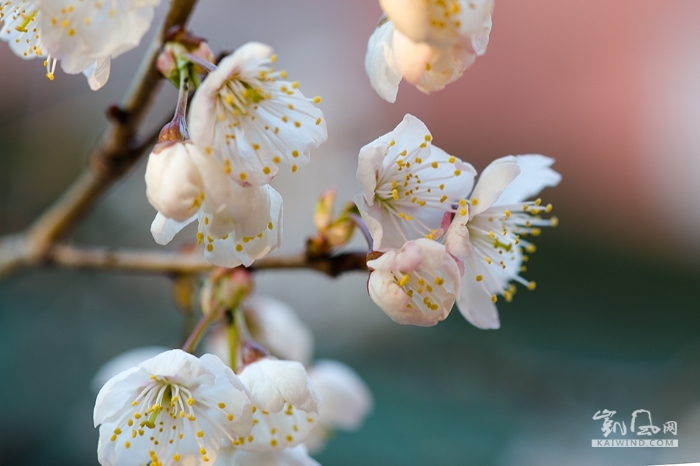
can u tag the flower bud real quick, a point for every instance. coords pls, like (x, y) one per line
(323, 212)
(174, 184)
(225, 288)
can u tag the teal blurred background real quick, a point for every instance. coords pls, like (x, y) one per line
(611, 90)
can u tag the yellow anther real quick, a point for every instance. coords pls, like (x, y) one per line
(508, 213)
(487, 259)
(239, 247)
(229, 417)
(276, 159)
(531, 286)
(200, 434)
(297, 124)
(295, 84)
(318, 120)
(536, 232)
(494, 298)
(395, 194)
(554, 221)
(549, 208)
(531, 248)
(492, 234)
(127, 444)
(403, 280)
(475, 201)
(317, 99)
(479, 278)
(266, 170)
(419, 160)
(256, 146)
(176, 457)
(210, 247)
(273, 442)
(294, 168)
(50, 76)
(458, 172)
(443, 198)
(428, 138)
(538, 201)
(423, 145)
(243, 176)
(295, 153)
(428, 67)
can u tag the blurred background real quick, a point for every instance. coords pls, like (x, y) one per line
(609, 89)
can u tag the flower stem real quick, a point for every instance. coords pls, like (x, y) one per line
(199, 330)
(233, 343)
(362, 226)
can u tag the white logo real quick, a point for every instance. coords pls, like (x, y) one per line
(641, 424)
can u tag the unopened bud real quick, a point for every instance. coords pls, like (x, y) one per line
(167, 65)
(226, 288)
(323, 212)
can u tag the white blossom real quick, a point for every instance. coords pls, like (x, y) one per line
(252, 119)
(427, 42)
(489, 238)
(408, 185)
(285, 404)
(417, 284)
(246, 227)
(172, 409)
(179, 177)
(84, 35)
(441, 23)
(293, 456)
(345, 400)
(273, 324)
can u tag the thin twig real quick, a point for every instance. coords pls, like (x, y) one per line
(116, 152)
(192, 262)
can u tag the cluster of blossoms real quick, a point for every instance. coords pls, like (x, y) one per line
(84, 35)
(169, 407)
(245, 122)
(435, 239)
(427, 42)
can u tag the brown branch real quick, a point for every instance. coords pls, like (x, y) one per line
(116, 152)
(173, 262)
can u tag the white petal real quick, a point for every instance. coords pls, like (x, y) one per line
(535, 175)
(273, 383)
(122, 362)
(235, 247)
(174, 184)
(278, 328)
(428, 67)
(80, 34)
(392, 299)
(164, 229)
(294, 456)
(25, 43)
(492, 182)
(456, 239)
(380, 64)
(345, 398)
(475, 303)
(98, 73)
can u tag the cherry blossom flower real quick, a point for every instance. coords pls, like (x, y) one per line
(490, 237)
(345, 400)
(429, 43)
(285, 405)
(84, 35)
(247, 228)
(252, 119)
(294, 456)
(274, 325)
(417, 284)
(173, 407)
(179, 177)
(408, 185)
